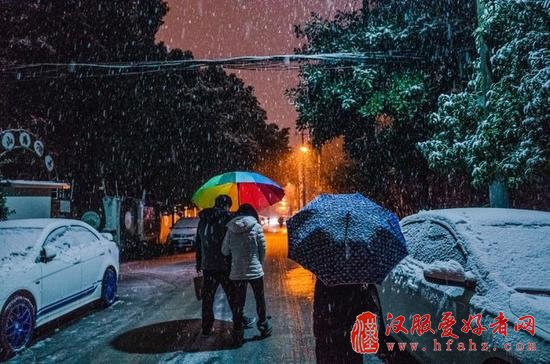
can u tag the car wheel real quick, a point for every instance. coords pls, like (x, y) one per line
(109, 287)
(16, 325)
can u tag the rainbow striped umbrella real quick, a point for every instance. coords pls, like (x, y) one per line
(242, 187)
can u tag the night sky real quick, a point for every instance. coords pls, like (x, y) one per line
(225, 28)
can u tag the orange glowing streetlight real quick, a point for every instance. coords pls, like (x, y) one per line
(303, 151)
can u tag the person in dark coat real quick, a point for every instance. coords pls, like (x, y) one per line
(210, 260)
(334, 311)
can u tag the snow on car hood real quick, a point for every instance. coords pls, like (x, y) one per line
(17, 241)
(513, 244)
(516, 254)
(535, 305)
(16, 246)
(511, 247)
(17, 254)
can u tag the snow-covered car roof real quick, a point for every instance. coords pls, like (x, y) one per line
(40, 223)
(187, 222)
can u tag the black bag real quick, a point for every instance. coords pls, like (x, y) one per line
(198, 282)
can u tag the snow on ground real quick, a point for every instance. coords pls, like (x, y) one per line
(157, 320)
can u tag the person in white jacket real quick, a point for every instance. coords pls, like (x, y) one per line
(245, 243)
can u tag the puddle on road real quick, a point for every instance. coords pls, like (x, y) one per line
(300, 282)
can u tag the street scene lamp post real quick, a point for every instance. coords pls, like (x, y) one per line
(304, 150)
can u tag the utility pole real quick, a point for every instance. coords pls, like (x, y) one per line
(303, 152)
(319, 187)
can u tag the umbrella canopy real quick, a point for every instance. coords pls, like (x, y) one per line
(346, 239)
(242, 187)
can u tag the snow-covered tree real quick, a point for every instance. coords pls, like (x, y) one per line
(381, 108)
(502, 134)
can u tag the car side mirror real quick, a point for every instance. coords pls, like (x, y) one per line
(449, 273)
(108, 236)
(47, 254)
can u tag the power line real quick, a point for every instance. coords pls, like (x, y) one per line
(44, 71)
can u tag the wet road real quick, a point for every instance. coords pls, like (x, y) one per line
(157, 319)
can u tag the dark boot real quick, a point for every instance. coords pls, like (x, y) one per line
(207, 332)
(238, 338)
(265, 328)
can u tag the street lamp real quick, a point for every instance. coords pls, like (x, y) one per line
(303, 151)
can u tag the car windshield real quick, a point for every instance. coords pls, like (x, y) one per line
(17, 241)
(517, 254)
(187, 224)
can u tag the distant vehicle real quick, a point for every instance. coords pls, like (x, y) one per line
(48, 268)
(269, 223)
(182, 235)
(264, 220)
(470, 261)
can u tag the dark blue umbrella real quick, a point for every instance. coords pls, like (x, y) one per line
(346, 239)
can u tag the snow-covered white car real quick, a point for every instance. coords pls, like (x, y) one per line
(472, 261)
(49, 267)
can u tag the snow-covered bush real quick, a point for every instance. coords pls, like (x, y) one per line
(508, 140)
